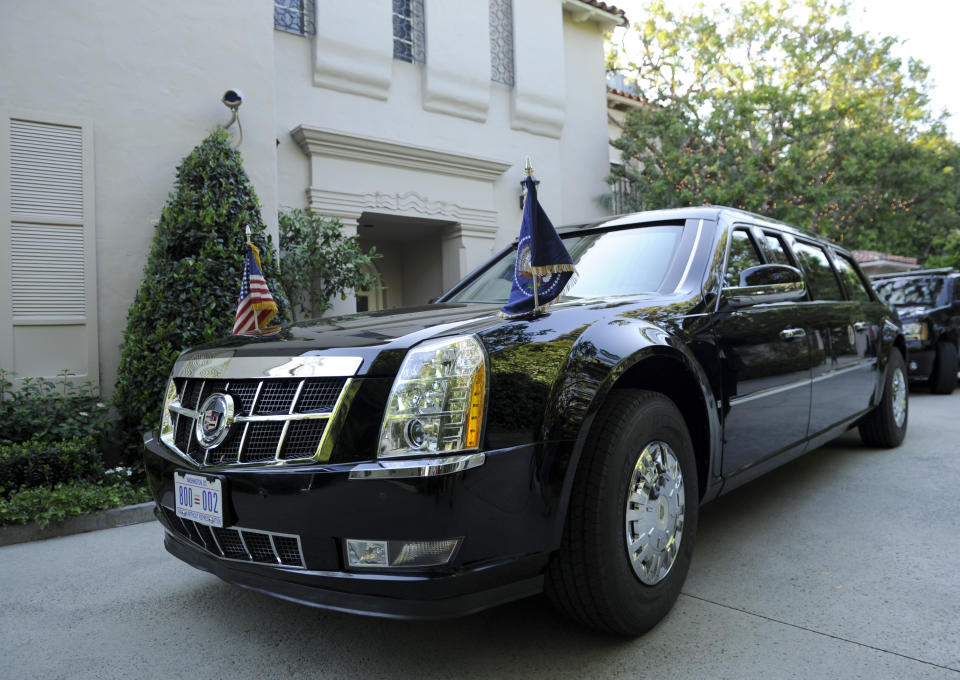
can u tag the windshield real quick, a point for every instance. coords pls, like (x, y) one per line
(622, 262)
(912, 290)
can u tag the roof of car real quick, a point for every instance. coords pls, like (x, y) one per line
(706, 212)
(916, 272)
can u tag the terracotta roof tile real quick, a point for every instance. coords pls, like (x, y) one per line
(621, 93)
(876, 256)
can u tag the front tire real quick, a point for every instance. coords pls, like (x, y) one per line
(943, 380)
(632, 521)
(886, 426)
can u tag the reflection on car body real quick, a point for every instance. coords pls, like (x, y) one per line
(431, 462)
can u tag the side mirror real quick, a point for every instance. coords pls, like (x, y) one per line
(766, 283)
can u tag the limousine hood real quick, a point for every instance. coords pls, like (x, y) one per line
(388, 334)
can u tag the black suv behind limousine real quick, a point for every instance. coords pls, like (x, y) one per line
(431, 462)
(928, 302)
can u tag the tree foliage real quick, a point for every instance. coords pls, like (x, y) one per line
(318, 261)
(191, 280)
(781, 108)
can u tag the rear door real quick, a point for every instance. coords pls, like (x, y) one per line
(846, 330)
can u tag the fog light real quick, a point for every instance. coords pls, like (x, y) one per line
(388, 554)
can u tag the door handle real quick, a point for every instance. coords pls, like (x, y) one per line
(861, 325)
(792, 333)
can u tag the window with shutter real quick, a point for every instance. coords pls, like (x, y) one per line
(50, 313)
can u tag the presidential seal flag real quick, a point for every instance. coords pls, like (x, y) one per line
(255, 308)
(544, 268)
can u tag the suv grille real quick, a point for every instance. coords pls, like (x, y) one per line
(234, 543)
(278, 419)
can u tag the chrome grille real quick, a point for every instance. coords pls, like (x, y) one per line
(275, 420)
(236, 543)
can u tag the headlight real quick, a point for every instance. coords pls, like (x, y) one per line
(436, 404)
(166, 422)
(915, 331)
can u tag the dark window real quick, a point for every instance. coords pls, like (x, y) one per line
(910, 290)
(743, 255)
(856, 288)
(621, 262)
(501, 41)
(956, 289)
(408, 31)
(821, 280)
(294, 16)
(776, 249)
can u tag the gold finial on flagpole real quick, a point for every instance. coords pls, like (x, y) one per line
(528, 168)
(248, 232)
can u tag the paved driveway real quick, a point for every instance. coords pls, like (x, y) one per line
(843, 564)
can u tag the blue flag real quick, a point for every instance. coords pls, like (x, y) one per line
(541, 257)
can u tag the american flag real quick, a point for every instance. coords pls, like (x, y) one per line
(255, 308)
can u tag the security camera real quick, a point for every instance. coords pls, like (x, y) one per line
(232, 99)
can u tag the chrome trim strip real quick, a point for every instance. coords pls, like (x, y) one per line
(769, 392)
(418, 467)
(273, 546)
(282, 417)
(866, 363)
(180, 410)
(693, 252)
(243, 542)
(222, 364)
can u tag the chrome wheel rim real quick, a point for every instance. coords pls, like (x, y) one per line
(899, 393)
(654, 512)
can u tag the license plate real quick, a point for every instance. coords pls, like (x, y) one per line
(199, 497)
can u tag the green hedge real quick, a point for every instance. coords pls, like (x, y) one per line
(45, 464)
(45, 505)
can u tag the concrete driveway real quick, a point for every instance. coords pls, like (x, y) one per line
(843, 564)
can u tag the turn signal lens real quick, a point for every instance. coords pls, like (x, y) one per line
(166, 422)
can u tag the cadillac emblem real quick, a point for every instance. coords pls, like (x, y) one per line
(214, 421)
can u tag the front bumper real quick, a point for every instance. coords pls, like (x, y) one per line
(507, 518)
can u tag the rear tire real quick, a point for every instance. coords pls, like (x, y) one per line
(632, 520)
(943, 380)
(886, 426)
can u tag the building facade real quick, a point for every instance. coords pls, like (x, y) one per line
(408, 119)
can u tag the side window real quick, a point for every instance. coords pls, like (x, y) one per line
(956, 289)
(816, 267)
(775, 248)
(743, 255)
(851, 279)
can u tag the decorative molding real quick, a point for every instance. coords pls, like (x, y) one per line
(456, 78)
(333, 144)
(345, 64)
(472, 221)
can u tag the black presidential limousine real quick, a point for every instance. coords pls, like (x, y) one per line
(434, 461)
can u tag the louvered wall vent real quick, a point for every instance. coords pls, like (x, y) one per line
(46, 229)
(46, 169)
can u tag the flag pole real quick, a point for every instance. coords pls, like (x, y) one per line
(256, 319)
(528, 171)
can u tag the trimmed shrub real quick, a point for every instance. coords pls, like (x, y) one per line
(46, 411)
(319, 262)
(191, 281)
(45, 505)
(39, 463)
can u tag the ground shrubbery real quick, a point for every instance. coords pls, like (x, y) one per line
(51, 466)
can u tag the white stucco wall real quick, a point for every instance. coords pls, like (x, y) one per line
(149, 75)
